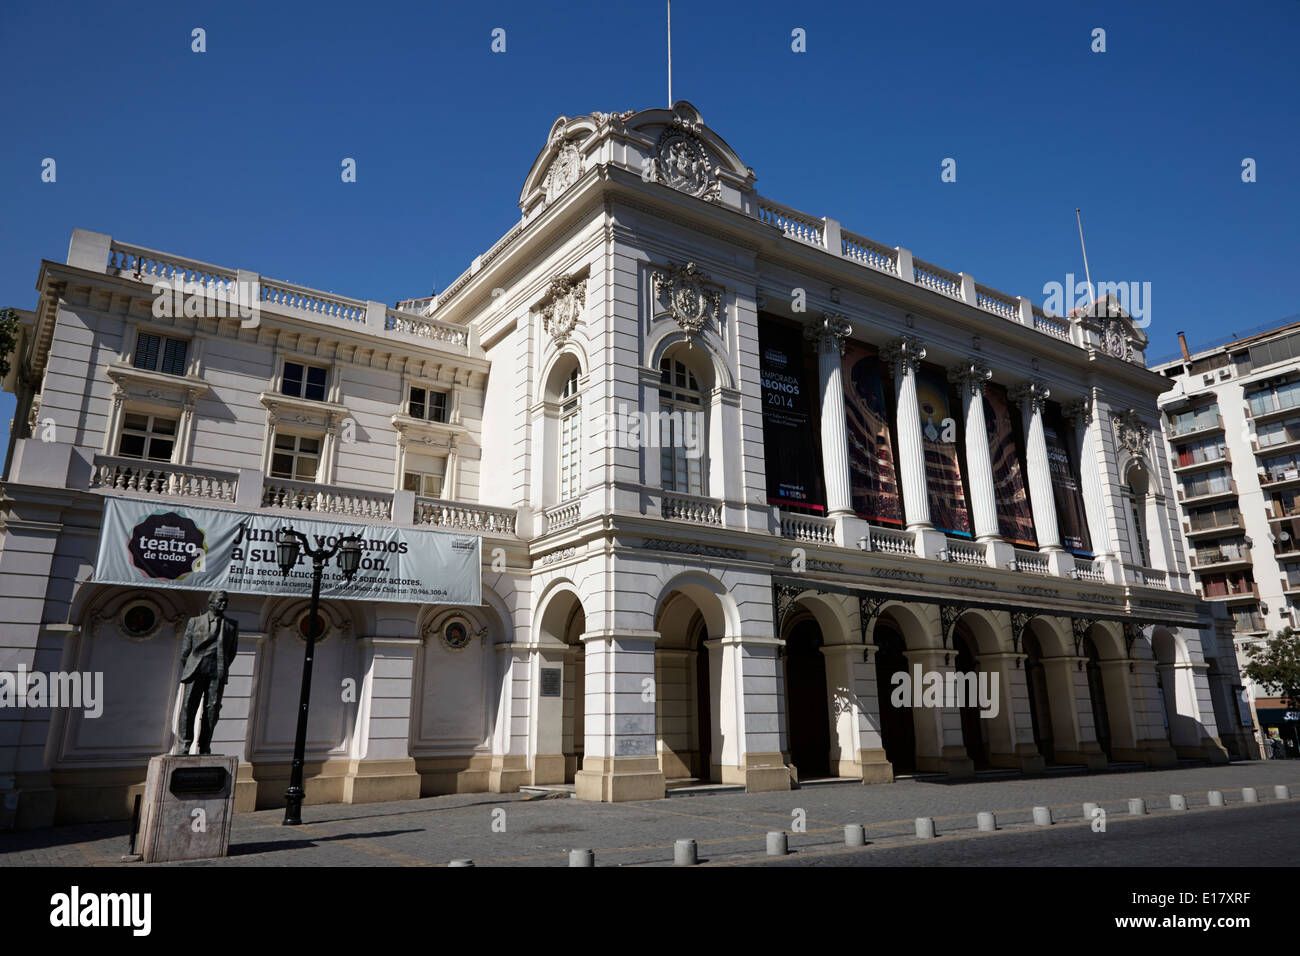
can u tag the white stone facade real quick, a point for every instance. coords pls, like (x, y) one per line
(631, 634)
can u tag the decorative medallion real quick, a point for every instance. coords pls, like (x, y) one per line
(455, 634)
(1131, 432)
(567, 295)
(681, 163)
(691, 303)
(1114, 339)
(564, 171)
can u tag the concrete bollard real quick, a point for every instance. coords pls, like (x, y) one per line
(684, 853)
(1282, 792)
(1177, 801)
(1216, 798)
(582, 858)
(925, 828)
(986, 821)
(1090, 810)
(461, 863)
(1042, 816)
(855, 834)
(1137, 806)
(1249, 795)
(777, 844)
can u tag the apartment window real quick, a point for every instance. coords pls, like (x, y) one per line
(1213, 516)
(1278, 433)
(570, 440)
(1286, 504)
(1282, 467)
(1228, 549)
(296, 457)
(1210, 449)
(427, 404)
(304, 381)
(681, 429)
(157, 353)
(1189, 421)
(1209, 483)
(424, 484)
(1272, 400)
(147, 436)
(1246, 618)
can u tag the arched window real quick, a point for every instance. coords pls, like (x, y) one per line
(1136, 496)
(681, 429)
(570, 438)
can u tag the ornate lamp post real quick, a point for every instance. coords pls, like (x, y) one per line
(288, 545)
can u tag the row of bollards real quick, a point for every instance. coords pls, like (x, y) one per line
(686, 852)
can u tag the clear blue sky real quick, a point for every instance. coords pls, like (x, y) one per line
(233, 156)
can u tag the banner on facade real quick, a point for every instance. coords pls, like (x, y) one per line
(789, 390)
(1067, 490)
(163, 544)
(939, 435)
(873, 474)
(1015, 516)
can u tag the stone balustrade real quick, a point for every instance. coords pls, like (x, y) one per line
(811, 528)
(563, 516)
(693, 508)
(888, 541)
(156, 478)
(285, 495)
(460, 516)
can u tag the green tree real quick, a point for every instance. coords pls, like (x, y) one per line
(8, 338)
(1276, 666)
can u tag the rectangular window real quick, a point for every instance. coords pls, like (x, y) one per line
(427, 404)
(295, 457)
(157, 353)
(147, 436)
(304, 381)
(423, 484)
(569, 448)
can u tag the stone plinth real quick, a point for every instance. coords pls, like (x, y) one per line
(187, 809)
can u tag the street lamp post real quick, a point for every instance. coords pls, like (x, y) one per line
(288, 545)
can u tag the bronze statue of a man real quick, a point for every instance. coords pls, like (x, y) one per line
(211, 641)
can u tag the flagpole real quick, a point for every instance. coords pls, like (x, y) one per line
(1086, 274)
(670, 54)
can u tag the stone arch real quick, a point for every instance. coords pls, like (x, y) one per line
(559, 726)
(917, 624)
(558, 367)
(711, 354)
(718, 607)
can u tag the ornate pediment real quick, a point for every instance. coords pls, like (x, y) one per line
(685, 293)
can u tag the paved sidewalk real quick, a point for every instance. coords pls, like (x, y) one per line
(728, 827)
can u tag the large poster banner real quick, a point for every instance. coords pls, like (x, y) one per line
(1067, 490)
(942, 466)
(873, 476)
(794, 466)
(1015, 516)
(163, 544)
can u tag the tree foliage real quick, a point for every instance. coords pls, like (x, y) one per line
(1276, 666)
(8, 338)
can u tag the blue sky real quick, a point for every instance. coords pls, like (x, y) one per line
(233, 156)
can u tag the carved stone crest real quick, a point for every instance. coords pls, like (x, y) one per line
(1131, 432)
(566, 296)
(563, 172)
(1114, 339)
(682, 163)
(687, 297)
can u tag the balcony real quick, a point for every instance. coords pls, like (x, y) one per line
(1225, 460)
(1205, 497)
(1277, 448)
(1289, 588)
(1273, 414)
(202, 486)
(1146, 577)
(1219, 560)
(1235, 592)
(1205, 531)
(1280, 479)
(695, 509)
(1197, 428)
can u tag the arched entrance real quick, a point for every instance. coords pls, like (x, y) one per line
(560, 718)
(972, 727)
(1040, 712)
(807, 700)
(686, 673)
(897, 732)
(1097, 696)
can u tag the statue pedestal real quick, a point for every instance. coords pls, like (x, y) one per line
(187, 809)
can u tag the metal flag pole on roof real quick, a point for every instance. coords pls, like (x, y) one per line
(1086, 274)
(670, 54)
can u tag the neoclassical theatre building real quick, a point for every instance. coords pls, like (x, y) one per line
(733, 467)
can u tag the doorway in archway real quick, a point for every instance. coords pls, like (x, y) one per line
(807, 706)
(972, 730)
(1040, 712)
(897, 733)
(1097, 695)
(703, 712)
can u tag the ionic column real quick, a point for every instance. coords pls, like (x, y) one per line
(901, 358)
(1030, 396)
(1080, 416)
(971, 377)
(829, 335)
